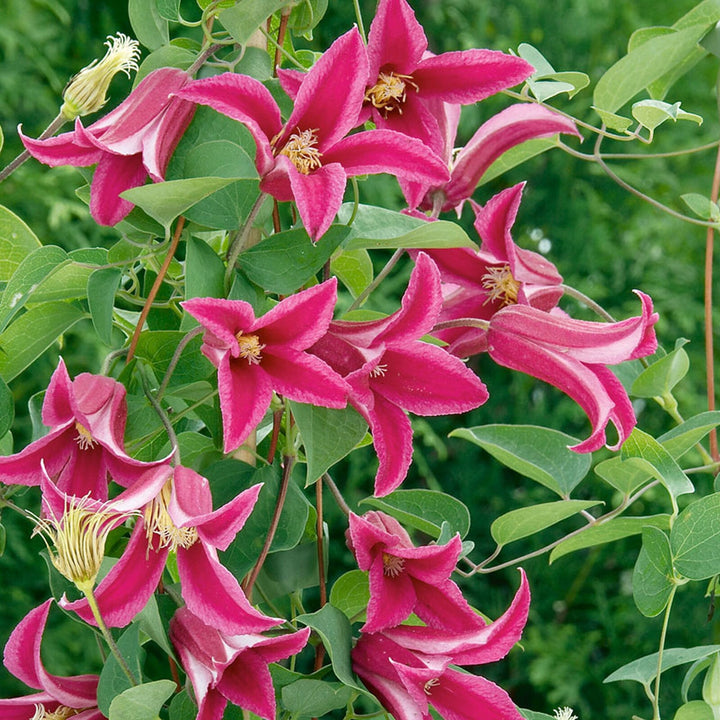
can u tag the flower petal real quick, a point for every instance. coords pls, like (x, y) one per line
(64, 149)
(224, 318)
(113, 175)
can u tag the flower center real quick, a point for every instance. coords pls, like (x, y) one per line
(159, 523)
(84, 439)
(392, 565)
(301, 150)
(430, 684)
(501, 285)
(61, 712)
(389, 92)
(250, 348)
(379, 370)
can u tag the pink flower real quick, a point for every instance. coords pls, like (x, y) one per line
(404, 80)
(85, 443)
(128, 144)
(59, 694)
(390, 370)
(178, 517)
(308, 159)
(231, 668)
(406, 579)
(572, 355)
(255, 356)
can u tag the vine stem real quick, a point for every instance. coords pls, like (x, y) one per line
(241, 240)
(358, 18)
(155, 288)
(175, 359)
(339, 499)
(585, 300)
(51, 129)
(663, 635)
(360, 299)
(163, 418)
(284, 16)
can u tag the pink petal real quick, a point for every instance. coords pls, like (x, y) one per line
(247, 684)
(443, 606)
(57, 404)
(23, 468)
(431, 564)
(224, 318)
(113, 175)
(279, 647)
(392, 599)
(160, 141)
(62, 149)
(290, 80)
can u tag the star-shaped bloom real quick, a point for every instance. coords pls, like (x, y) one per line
(390, 370)
(406, 579)
(134, 140)
(60, 697)
(179, 518)
(255, 356)
(231, 668)
(572, 355)
(85, 444)
(309, 158)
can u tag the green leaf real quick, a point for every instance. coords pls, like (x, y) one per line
(285, 261)
(328, 435)
(101, 288)
(653, 577)
(438, 234)
(113, 679)
(652, 113)
(425, 510)
(612, 120)
(166, 200)
(350, 593)
(66, 282)
(17, 241)
(640, 67)
(664, 374)
(657, 461)
(527, 521)
(615, 529)
(535, 452)
(306, 15)
(314, 698)
(33, 333)
(545, 82)
(2, 139)
(694, 710)
(204, 271)
(686, 435)
(624, 475)
(3, 539)
(158, 348)
(7, 408)
(695, 539)
(290, 571)
(168, 9)
(354, 269)
(644, 669)
(150, 622)
(182, 707)
(242, 20)
(702, 206)
(142, 702)
(516, 156)
(336, 634)
(147, 24)
(165, 56)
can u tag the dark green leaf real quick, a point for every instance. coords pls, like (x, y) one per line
(147, 24)
(158, 348)
(653, 574)
(182, 707)
(289, 570)
(113, 680)
(350, 593)
(7, 408)
(142, 702)
(204, 271)
(314, 698)
(17, 241)
(101, 288)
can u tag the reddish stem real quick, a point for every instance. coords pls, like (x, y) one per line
(277, 419)
(280, 39)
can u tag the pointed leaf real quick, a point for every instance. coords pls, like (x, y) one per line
(664, 374)
(624, 475)
(101, 288)
(644, 669)
(702, 206)
(204, 271)
(242, 20)
(695, 539)
(516, 156)
(694, 710)
(350, 593)
(354, 269)
(113, 679)
(142, 702)
(612, 120)
(653, 574)
(7, 408)
(147, 24)
(315, 698)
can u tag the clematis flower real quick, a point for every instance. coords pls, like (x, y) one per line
(231, 668)
(85, 444)
(308, 159)
(406, 579)
(478, 284)
(134, 140)
(255, 356)
(179, 518)
(510, 127)
(60, 697)
(390, 370)
(572, 355)
(404, 80)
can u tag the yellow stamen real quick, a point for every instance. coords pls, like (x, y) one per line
(158, 522)
(250, 348)
(390, 92)
(84, 439)
(430, 684)
(62, 712)
(301, 150)
(392, 565)
(501, 285)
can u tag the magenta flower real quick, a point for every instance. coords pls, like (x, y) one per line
(308, 159)
(503, 131)
(390, 370)
(230, 667)
(255, 356)
(406, 579)
(572, 355)
(131, 142)
(59, 696)
(179, 518)
(85, 443)
(405, 80)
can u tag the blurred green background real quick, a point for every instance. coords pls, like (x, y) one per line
(583, 622)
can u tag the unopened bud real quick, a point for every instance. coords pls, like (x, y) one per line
(87, 91)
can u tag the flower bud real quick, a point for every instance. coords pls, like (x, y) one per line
(87, 91)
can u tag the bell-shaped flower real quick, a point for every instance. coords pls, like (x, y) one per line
(309, 158)
(255, 356)
(390, 370)
(404, 80)
(86, 417)
(572, 355)
(134, 140)
(234, 668)
(406, 579)
(477, 284)
(179, 518)
(60, 697)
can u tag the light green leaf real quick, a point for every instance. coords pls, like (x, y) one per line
(328, 435)
(17, 241)
(651, 113)
(314, 698)
(242, 20)
(624, 475)
(535, 452)
(644, 669)
(653, 579)
(354, 269)
(204, 271)
(165, 56)
(664, 374)
(702, 206)
(438, 234)
(516, 156)
(101, 288)
(149, 28)
(612, 120)
(2, 139)
(7, 408)
(686, 435)
(695, 539)
(350, 593)
(168, 9)
(694, 710)
(425, 510)
(158, 348)
(142, 702)
(524, 522)
(67, 282)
